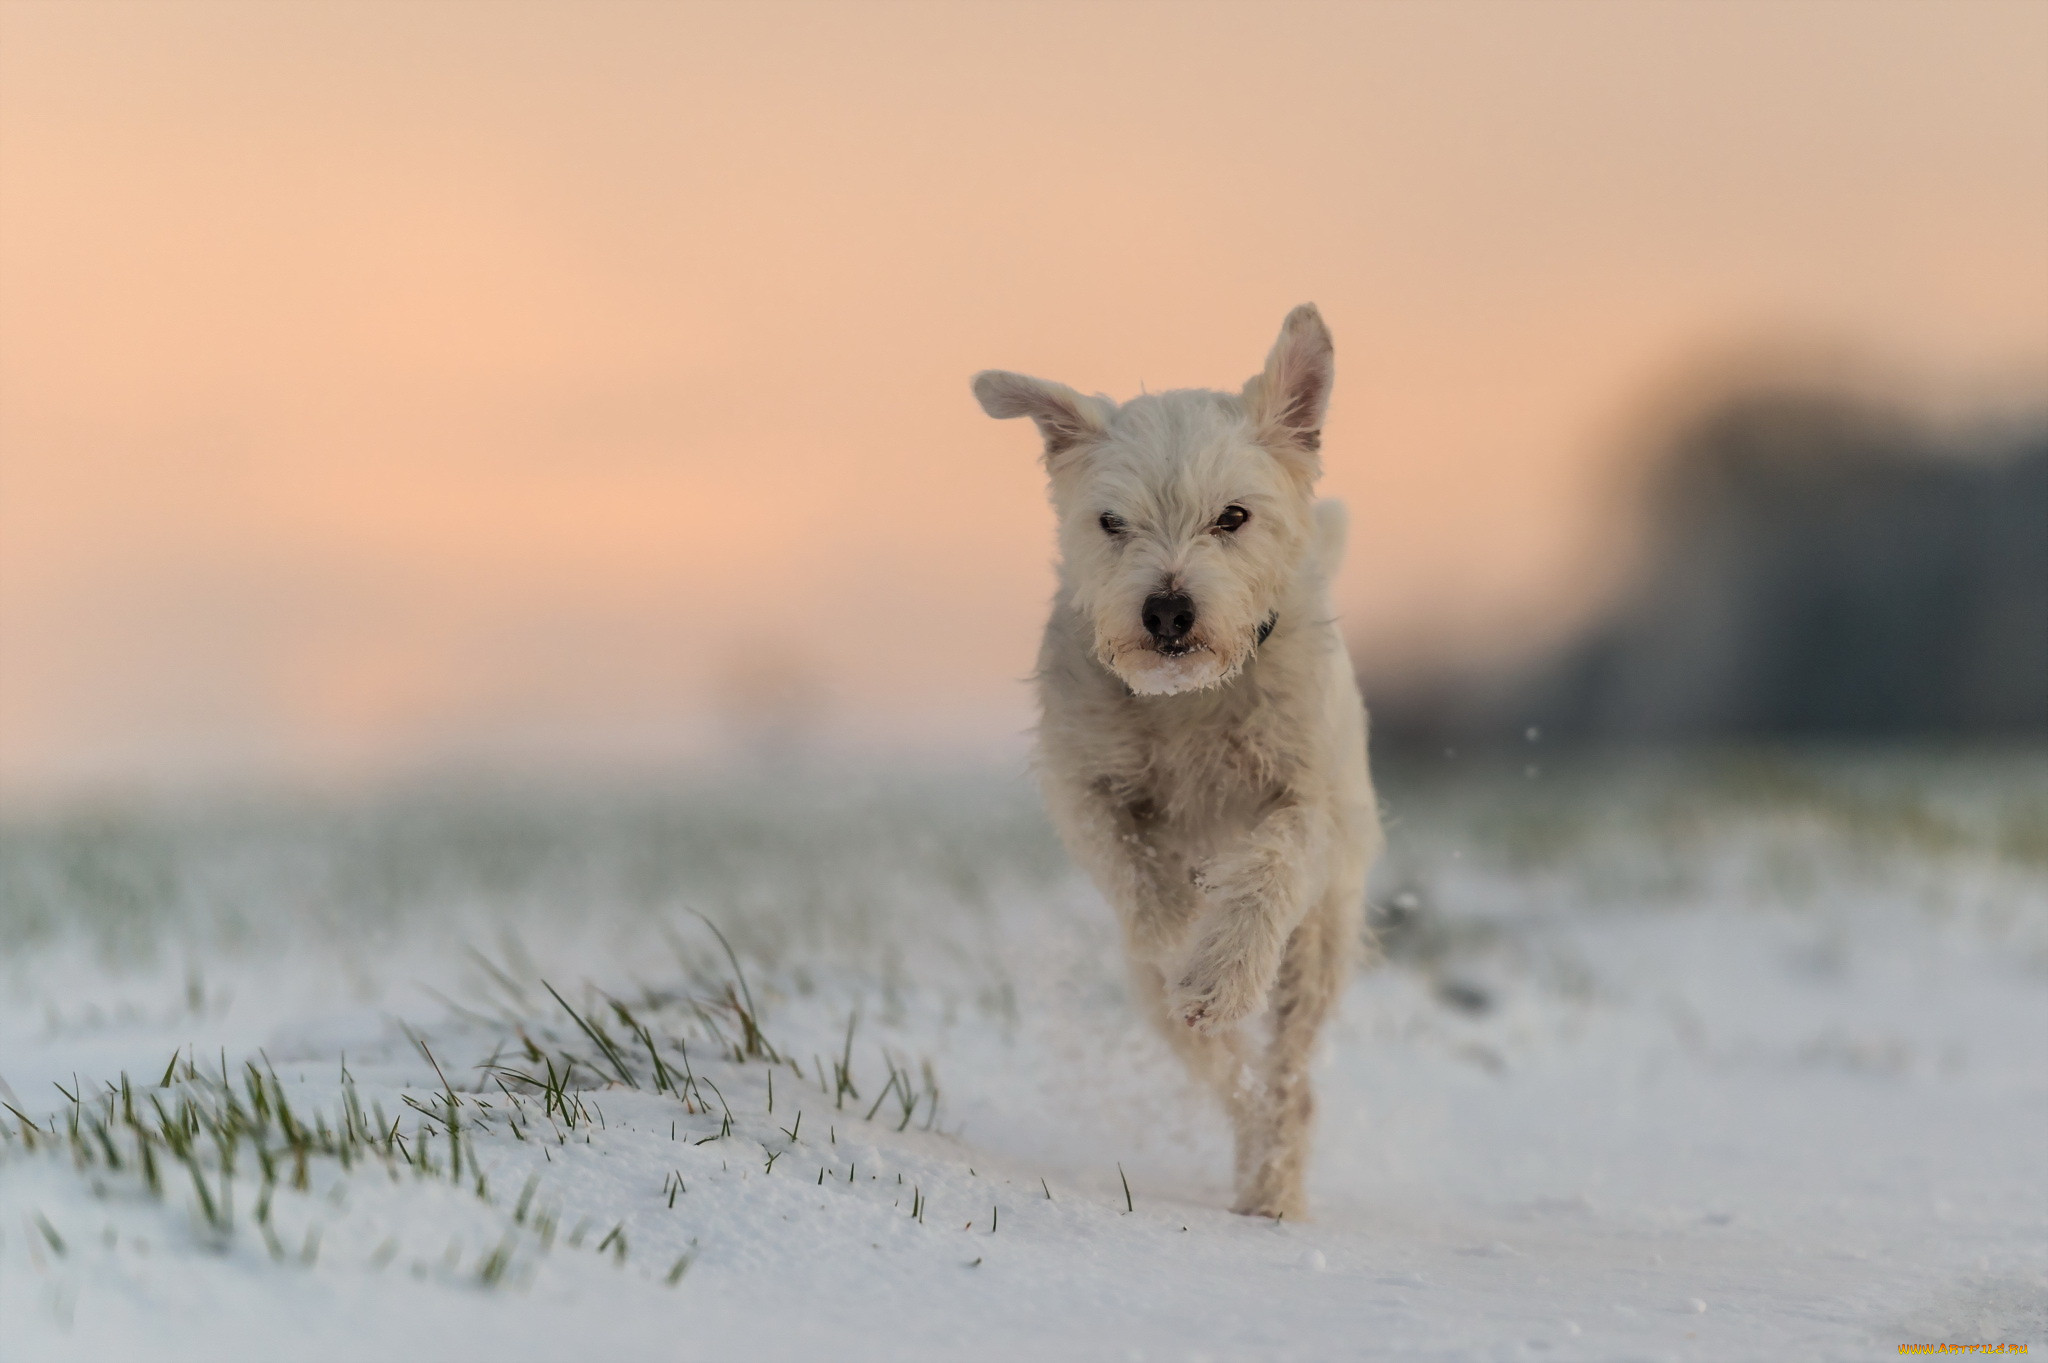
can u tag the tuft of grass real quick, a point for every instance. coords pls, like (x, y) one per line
(491, 1271)
(842, 1069)
(754, 1045)
(615, 1241)
(222, 1132)
(597, 1034)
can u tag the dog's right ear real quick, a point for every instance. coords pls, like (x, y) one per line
(1065, 418)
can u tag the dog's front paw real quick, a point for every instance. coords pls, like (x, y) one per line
(1210, 1000)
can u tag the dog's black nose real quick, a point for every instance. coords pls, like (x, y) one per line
(1169, 616)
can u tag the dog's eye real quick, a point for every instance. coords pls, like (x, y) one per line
(1111, 523)
(1232, 519)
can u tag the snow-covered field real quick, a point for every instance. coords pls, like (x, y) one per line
(1736, 1056)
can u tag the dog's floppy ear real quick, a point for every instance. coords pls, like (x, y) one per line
(1064, 417)
(1288, 400)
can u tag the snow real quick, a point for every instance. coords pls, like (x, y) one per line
(1716, 1057)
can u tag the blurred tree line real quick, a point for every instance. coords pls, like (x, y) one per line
(1818, 567)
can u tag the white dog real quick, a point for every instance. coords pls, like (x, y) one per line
(1202, 748)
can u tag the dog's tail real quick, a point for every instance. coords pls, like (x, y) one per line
(1333, 523)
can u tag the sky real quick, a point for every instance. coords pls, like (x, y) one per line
(390, 386)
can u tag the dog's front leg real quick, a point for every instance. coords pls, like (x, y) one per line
(1257, 893)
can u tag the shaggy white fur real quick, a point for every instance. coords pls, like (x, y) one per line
(1203, 743)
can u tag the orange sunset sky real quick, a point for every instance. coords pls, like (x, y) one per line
(385, 385)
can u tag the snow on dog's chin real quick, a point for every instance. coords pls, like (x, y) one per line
(1150, 673)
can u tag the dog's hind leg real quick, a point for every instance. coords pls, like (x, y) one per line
(1222, 1061)
(1273, 1140)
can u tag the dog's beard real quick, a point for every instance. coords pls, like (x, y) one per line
(1149, 672)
